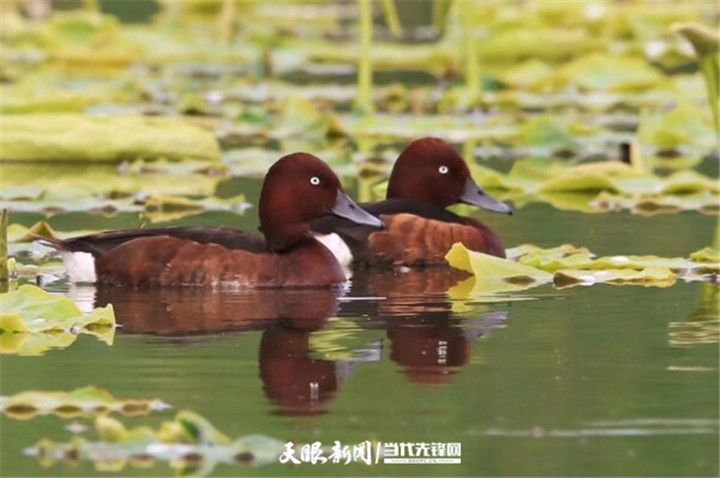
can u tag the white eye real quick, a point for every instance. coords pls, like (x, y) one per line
(443, 169)
(314, 180)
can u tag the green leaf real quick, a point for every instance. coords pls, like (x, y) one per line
(683, 126)
(82, 401)
(495, 275)
(529, 74)
(547, 132)
(200, 429)
(75, 137)
(30, 310)
(706, 254)
(649, 277)
(610, 73)
(528, 266)
(118, 445)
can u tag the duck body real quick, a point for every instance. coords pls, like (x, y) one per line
(415, 234)
(297, 189)
(163, 261)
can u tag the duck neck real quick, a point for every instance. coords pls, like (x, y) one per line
(282, 236)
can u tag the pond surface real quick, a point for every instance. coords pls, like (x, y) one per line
(602, 380)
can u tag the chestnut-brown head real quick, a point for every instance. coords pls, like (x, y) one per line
(298, 188)
(430, 171)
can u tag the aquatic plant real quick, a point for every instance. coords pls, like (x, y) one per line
(86, 401)
(33, 321)
(529, 266)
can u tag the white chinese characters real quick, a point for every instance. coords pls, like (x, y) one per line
(370, 453)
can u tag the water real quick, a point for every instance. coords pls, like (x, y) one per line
(601, 381)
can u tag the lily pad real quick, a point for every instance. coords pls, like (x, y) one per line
(82, 401)
(682, 126)
(75, 137)
(610, 73)
(529, 266)
(30, 311)
(653, 204)
(118, 446)
(650, 277)
(493, 274)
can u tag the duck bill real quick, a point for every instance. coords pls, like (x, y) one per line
(346, 208)
(475, 195)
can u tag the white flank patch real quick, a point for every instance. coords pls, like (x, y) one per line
(339, 249)
(80, 267)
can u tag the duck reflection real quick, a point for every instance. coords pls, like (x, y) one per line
(186, 311)
(295, 383)
(428, 340)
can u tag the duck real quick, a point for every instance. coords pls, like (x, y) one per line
(428, 176)
(298, 188)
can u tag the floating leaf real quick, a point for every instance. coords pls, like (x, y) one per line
(615, 186)
(652, 204)
(75, 137)
(82, 401)
(683, 126)
(493, 274)
(529, 74)
(706, 254)
(650, 276)
(547, 132)
(200, 429)
(141, 446)
(528, 266)
(611, 73)
(30, 311)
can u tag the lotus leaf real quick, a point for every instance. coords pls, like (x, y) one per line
(549, 133)
(141, 446)
(652, 204)
(684, 125)
(649, 277)
(610, 73)
(82, 401)
(493, 274)
(30, 311)
(74, 137)
(529, 266)
(529, 74)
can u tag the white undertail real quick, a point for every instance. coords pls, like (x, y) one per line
(80, 267)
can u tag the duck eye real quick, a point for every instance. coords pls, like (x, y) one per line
(443, 169)
(315, 180)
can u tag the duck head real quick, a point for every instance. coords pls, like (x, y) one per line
(298, 188)
(430, 171)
